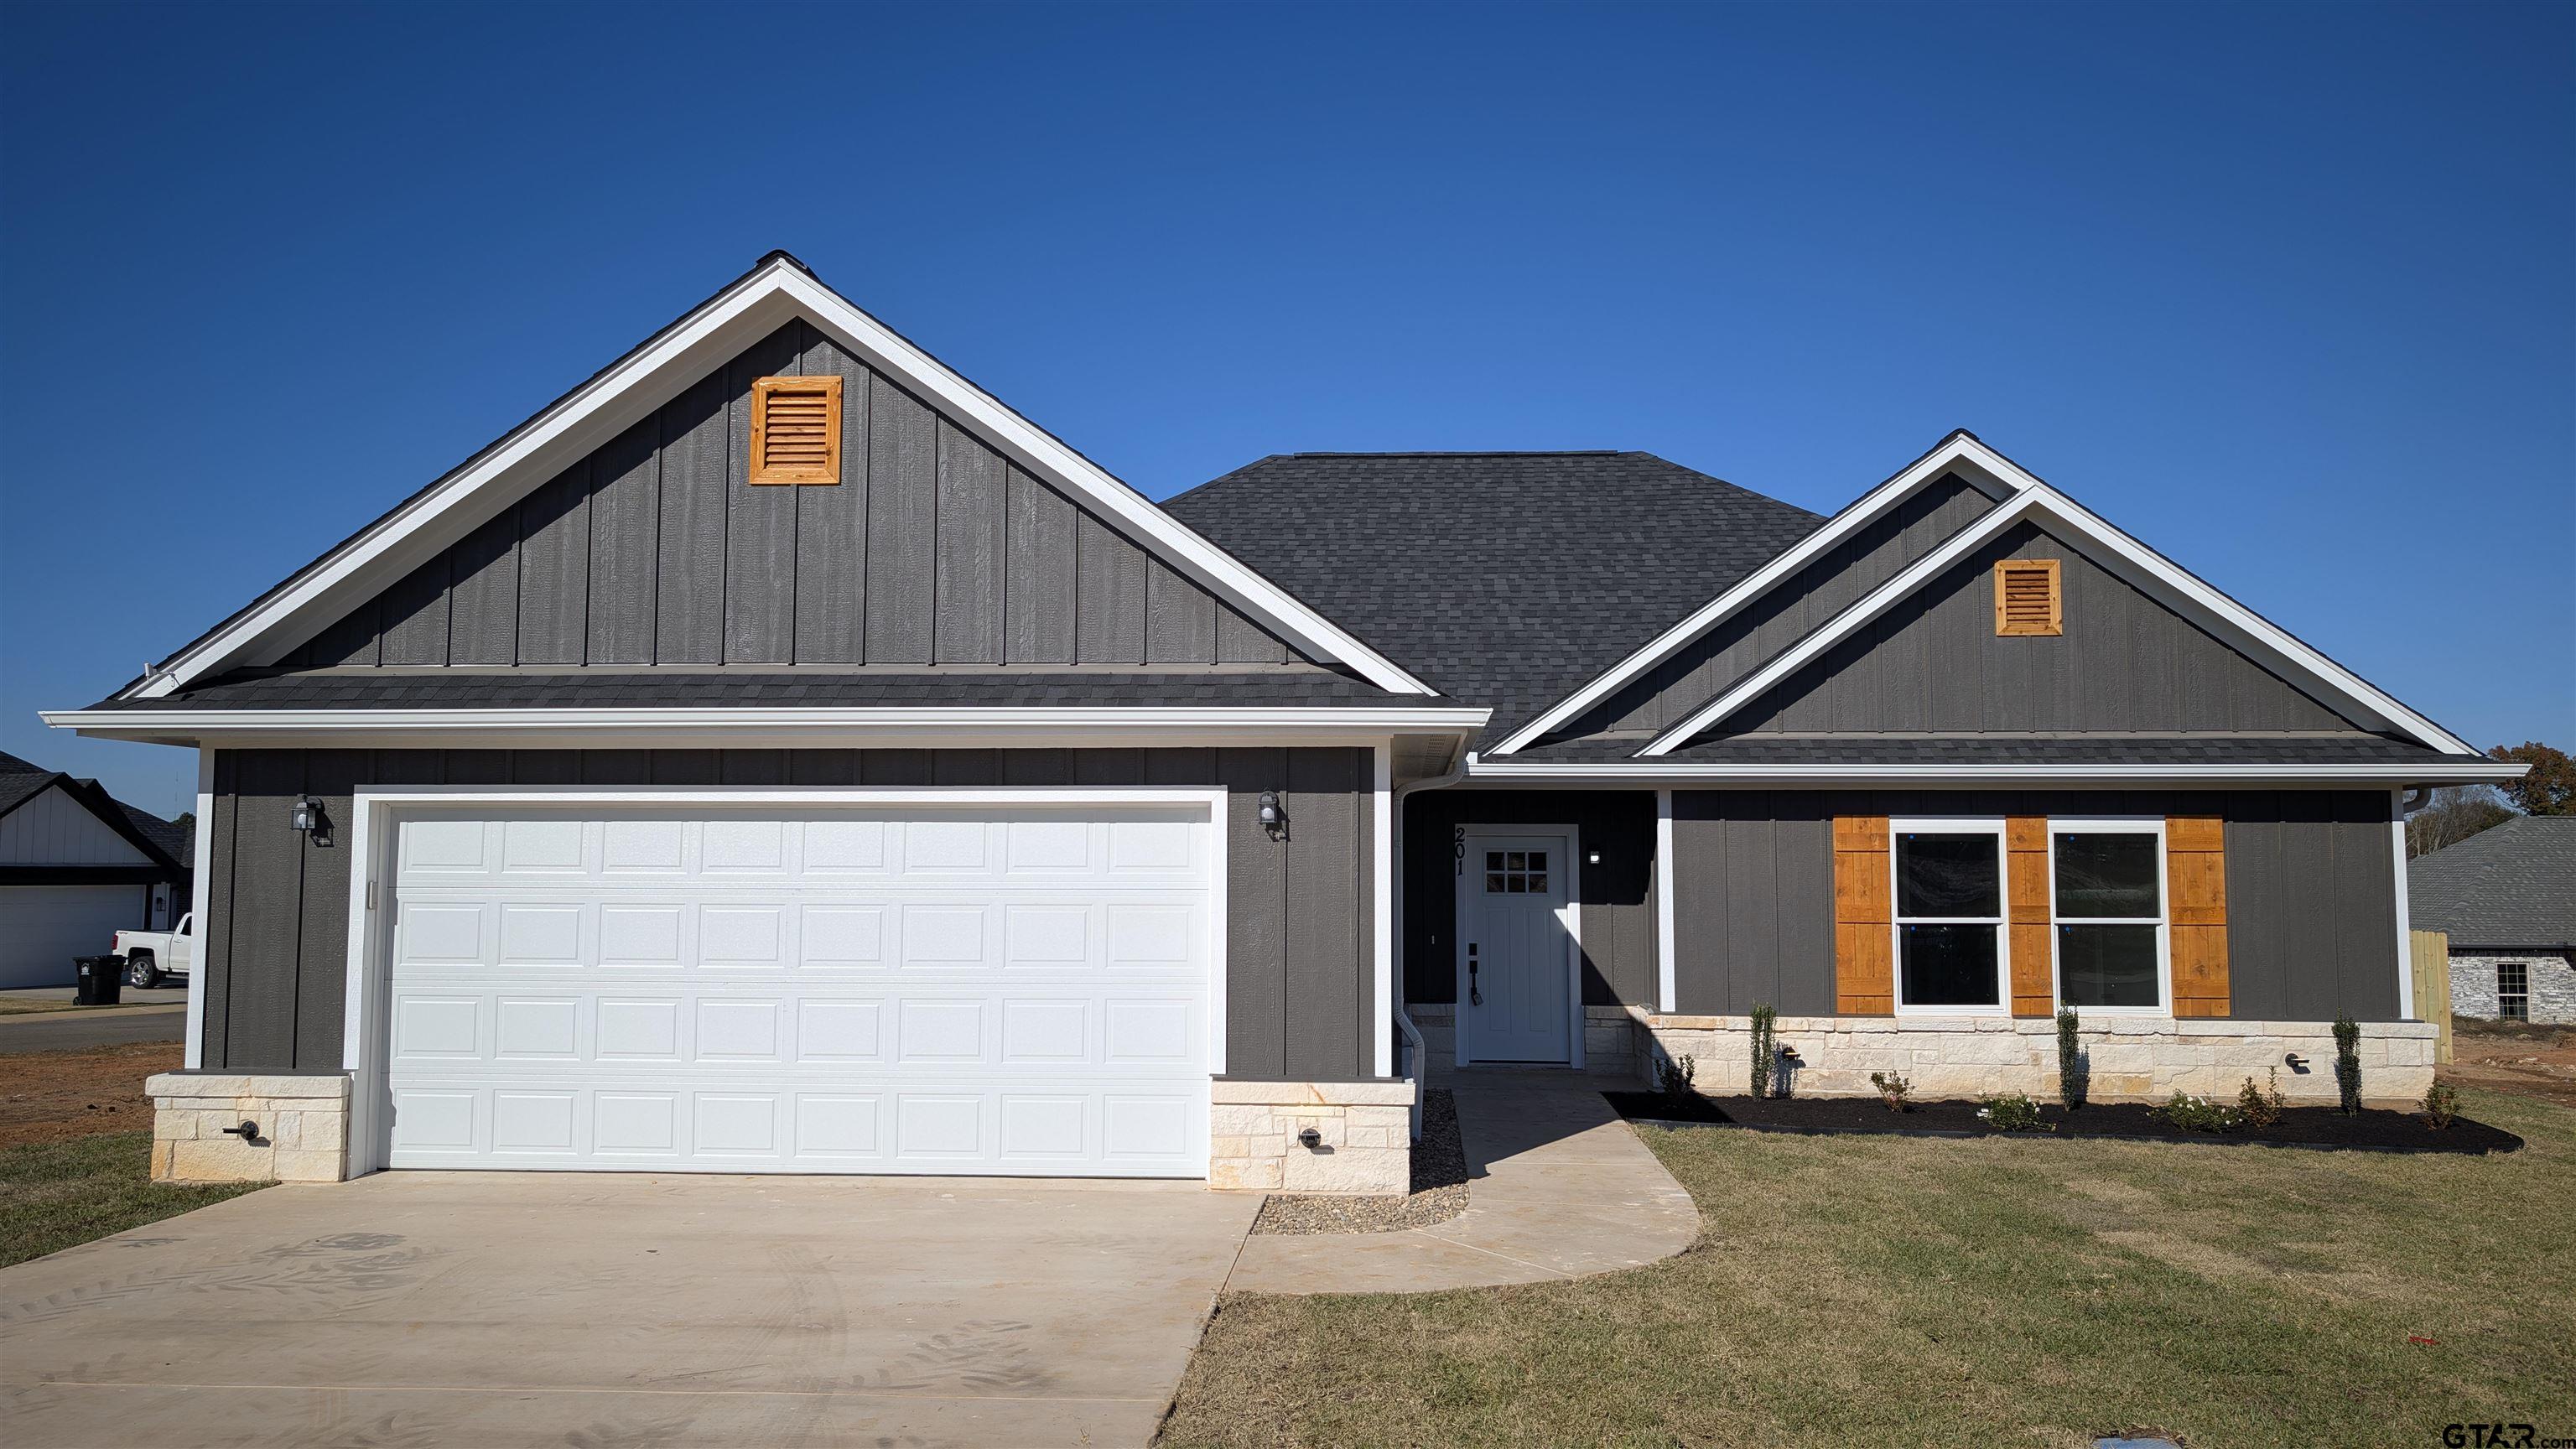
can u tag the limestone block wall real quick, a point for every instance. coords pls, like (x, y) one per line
(303, 1126)
(1364, 1132)
(2553, 984)
(2131, 1058)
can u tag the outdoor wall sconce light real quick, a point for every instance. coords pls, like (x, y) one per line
(1592, 857)
(1272, 817)
(309, 820)
(1310, 1139)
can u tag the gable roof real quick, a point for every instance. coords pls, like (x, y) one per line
(2152, 573)
(778, 289)
(165, 842)
(1504, 579)
(2513, 885)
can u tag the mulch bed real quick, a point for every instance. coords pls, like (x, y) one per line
(2372, 1130)
(1439, 1188)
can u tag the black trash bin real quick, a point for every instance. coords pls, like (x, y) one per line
(102, 979)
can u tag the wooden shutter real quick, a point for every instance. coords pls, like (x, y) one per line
(1864, 965)
(2027, 601)
(2026, 898)
(796, 430)
(2196, 890)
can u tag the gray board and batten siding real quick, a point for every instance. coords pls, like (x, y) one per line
(1789, 610)
(2311, 892)
(657, 549)
(1299, 950)
(2126, 664)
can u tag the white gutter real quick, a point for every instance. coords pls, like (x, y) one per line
(1682, 773)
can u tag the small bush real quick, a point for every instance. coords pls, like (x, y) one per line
(2012, 1112)
(1674, 1077)
(2260, 1106)
(2442, 1103)
(2071, 1072)
(1892, 1089)
(2201, 1114)
(1765, 1050)
(2348, 1062)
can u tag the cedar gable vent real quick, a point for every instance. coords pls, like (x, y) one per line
(2027, 600)
(796, 430)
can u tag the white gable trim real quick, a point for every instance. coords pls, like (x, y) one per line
(2160, 578)
(1957, 453)
(774, 293)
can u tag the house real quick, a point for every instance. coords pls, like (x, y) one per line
(779, 755)
(2506, 897)
(77, 865)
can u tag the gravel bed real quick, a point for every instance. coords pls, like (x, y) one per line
(1439, 1188)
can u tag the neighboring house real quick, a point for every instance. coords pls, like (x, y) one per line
(2506, 897)
(77, 865)
(778, 755)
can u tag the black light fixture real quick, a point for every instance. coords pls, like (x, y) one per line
(309, 819)
(1272, 817)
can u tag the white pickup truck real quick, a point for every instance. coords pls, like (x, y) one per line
(151, 956)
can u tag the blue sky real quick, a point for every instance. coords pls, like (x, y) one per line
(2284, 290)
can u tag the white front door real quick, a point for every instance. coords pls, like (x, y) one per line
(1515, 922)
(1020, 990)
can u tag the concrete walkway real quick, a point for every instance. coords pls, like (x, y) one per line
(1558, 1187)
(500, 1310)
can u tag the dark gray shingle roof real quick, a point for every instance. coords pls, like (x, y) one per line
(1503, 579)
(2512, 885)
(672, 688)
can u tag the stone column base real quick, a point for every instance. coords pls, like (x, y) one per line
(303, 1126)
(1364, 1131)
(2131, 1058)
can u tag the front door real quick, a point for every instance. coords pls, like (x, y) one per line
(1515, 922)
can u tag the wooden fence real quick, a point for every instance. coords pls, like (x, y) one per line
(2431, 963)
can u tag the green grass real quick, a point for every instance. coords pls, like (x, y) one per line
(55, 1195)
(1899, 1291)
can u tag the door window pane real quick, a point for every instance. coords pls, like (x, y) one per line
(1949, 965)
(1949, 875)
(2101, 875)
(2106, 965)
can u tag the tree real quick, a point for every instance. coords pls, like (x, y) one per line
(2455, 813)
(2550, 788)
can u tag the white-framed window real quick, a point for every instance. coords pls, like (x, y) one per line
(2513, 991)
(1952, 951)
(2106, 897)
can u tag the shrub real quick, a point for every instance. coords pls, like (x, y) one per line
(2442, 1103)
(2071, 1071)
(2200, 1114)
(2260, 1106)
(2012, 1112)
(1674, 1076)
(2348, 1062)
(1765, 1050)
(1892, 1089)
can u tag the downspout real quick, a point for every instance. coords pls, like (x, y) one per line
(1413, 1044)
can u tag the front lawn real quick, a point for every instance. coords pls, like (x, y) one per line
(54, 1195)
(1894, 1291)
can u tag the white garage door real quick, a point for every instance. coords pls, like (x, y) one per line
(42, 928)
(1018, 991)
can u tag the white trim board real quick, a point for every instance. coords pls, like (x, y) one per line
(1684, 773)
(2158, 577)
(1960, 452)
(776, 292)
(371, 837)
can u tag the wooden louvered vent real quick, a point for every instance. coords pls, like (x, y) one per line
(2027, 600)
(796, 430)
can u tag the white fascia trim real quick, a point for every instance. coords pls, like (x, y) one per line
(631, 389)
(2157, 576)
(1685, 774)
(923, 728)
(1948, 457)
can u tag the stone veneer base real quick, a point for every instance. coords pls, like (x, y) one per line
(2131, 1058)
(303, 1127)
(1365, 1128)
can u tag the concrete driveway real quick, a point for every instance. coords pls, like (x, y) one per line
(602, 1311)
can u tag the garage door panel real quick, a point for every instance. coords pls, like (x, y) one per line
(972, 991)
